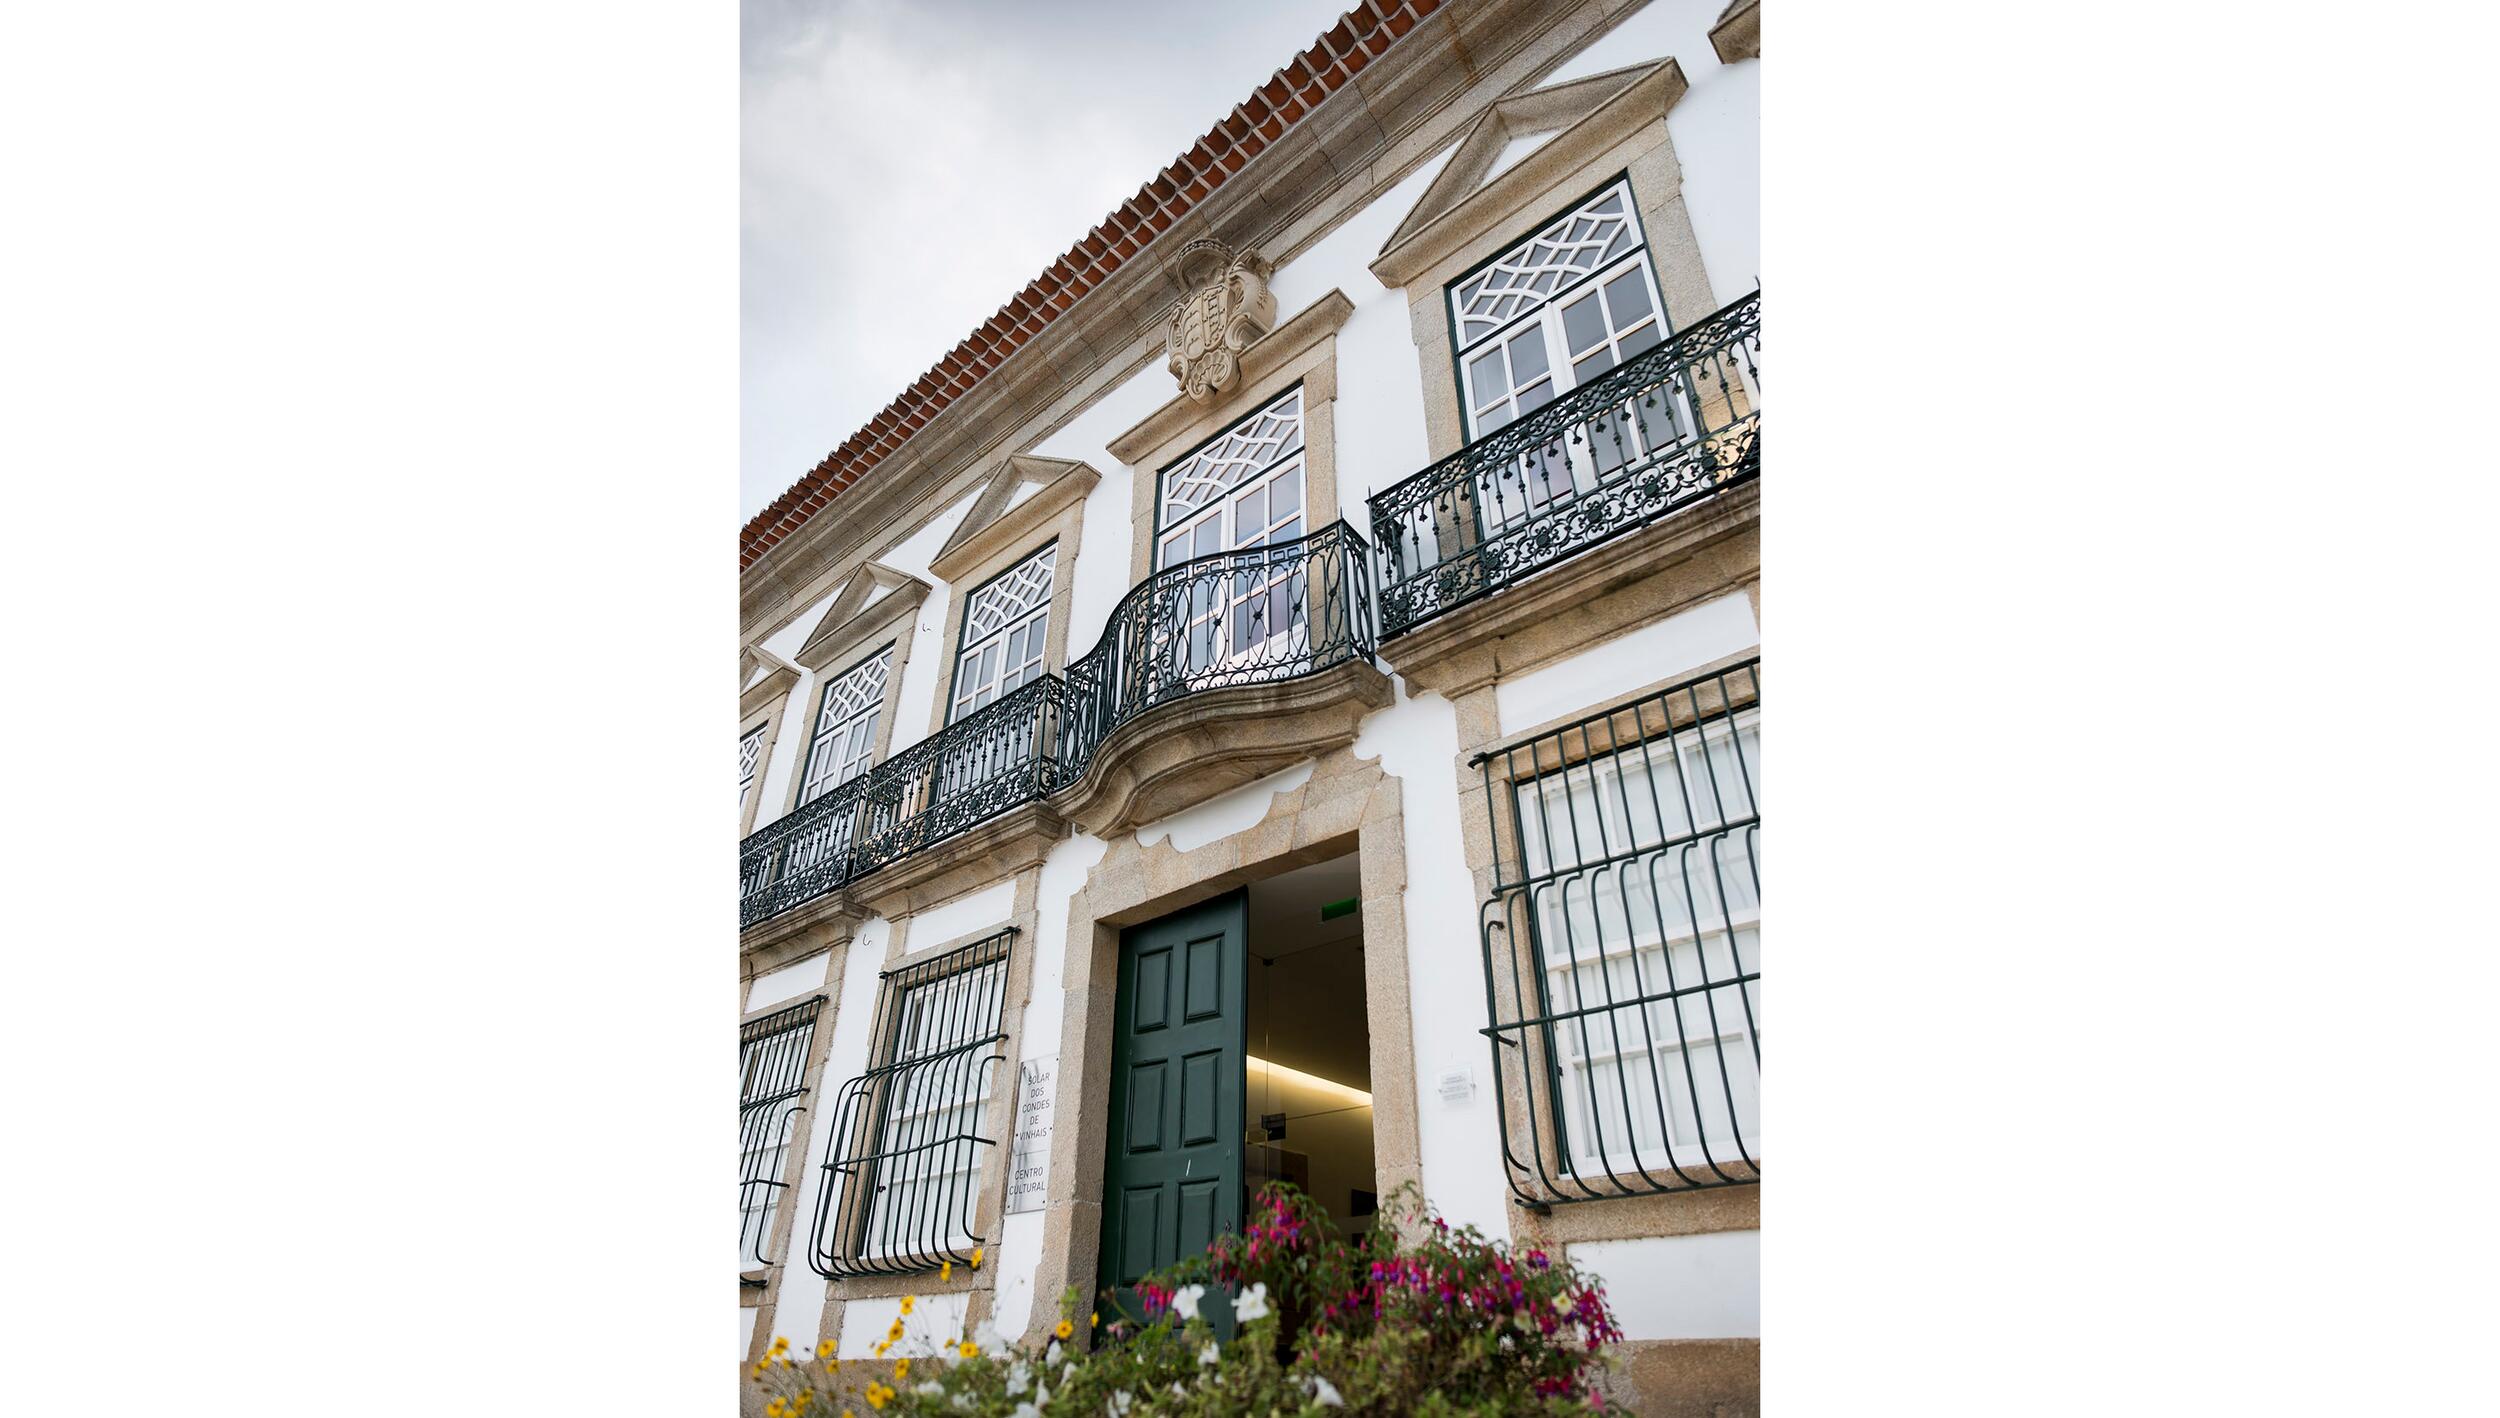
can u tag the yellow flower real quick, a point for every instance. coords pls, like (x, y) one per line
(894, 1331)
(1066, 1329)
(977, 1253)
(902, 1367)
(946, 1270)
(824, 1350)
(907, 1301)
(969, 1349)
(878, 1394)
(773, 1409)
(881, 1347)
(780, 1342)
(1097, 1321)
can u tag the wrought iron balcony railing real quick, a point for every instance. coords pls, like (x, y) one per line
(972, 770)
(957, 778)
(801, 856)
(1242, 617)
(1665, 429)
(1238, 617)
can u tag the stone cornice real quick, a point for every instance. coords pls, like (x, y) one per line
(1738, 34)
(1319, 320)
(1644, 98)
(771, 687)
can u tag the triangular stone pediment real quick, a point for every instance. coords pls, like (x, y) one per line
(762, 677)
(1513, 130)
(869, 589)
(1026, 491)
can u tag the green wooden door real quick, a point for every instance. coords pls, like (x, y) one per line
(1172, 1176)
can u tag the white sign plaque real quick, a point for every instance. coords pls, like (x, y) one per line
(1028, 1160)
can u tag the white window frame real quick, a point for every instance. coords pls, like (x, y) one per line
(1023, 637)
(843, 742)
(1216, 634)
(1537, 291)
(751, 763)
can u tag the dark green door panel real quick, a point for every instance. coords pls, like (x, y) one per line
(1172, 1176)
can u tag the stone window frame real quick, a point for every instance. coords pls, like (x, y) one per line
(766, 1296)
(841, 645)
(1056, 513)
(763, 705)
(990, 1190)
(1302, 350)
(1624, 136)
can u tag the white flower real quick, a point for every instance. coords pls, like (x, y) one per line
(1252, 1306)
(961, 1400)
(985, 1334)
(1210, 1354)
(1051, 1355)
(1179, 1392)
(1019, 1376)
(1185, 1301)
(1326, 1393)
(1041, 1395)
(1026, 1410)
(1067, 1371)
(1120, 1403)
(932, 1388)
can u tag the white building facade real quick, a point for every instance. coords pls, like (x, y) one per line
(1283, 701)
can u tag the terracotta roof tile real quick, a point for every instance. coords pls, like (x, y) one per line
(1358, 37)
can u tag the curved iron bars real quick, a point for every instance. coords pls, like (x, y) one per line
(1253, 616)
(772, 1082)
(1667, 428)
(902, 1166)
(1232, 618)
(1622, 951)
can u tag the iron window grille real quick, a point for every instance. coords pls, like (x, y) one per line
(1622, 946)
(902, 1169)
(1005, 632)
(772, 1094)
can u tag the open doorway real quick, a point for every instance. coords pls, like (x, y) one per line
(1307, 1104)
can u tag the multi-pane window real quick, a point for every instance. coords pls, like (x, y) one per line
(772, 1076)
(1623, 945)
(1551, 314)
(750, 759)
(1241, 491)
(904, 1166)
(1006, 624)
(846, 726)
(1650, 926)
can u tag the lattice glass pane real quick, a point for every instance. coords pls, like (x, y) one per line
(1248, 449)
(846, 725)
(750, 756)
(1011, 596)
(1526, 276)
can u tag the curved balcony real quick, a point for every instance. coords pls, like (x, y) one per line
(1669, 427)
(1272, 647)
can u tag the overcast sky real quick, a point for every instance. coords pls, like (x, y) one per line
(909, 166)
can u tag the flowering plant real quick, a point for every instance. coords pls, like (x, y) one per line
(1414, 1317)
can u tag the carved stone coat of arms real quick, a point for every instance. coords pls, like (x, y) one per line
(1228, 306)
